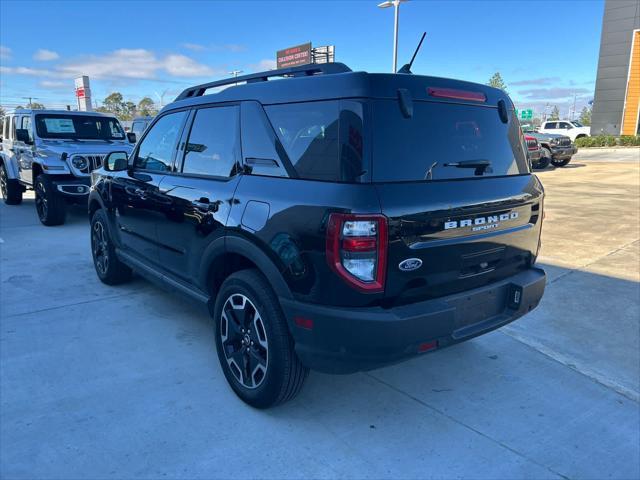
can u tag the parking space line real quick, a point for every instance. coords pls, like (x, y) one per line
(84, 302)
(461, 423)
(571, 363)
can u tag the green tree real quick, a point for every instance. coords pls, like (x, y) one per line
(114, 103)
(37, 106)
(497, 82)
(585, 116)
(128, 110)
(146, 107)
(555, 113)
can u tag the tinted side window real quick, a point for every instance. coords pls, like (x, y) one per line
(323, 140)
(158, 146)
(26, 124)
(262, 151)
(213, 144)
(565, 125)
(551, 125)
(138, 128)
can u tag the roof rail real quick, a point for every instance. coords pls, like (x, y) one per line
(299, 71)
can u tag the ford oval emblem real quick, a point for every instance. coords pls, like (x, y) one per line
(410, 264)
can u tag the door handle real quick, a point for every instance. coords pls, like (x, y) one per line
(205, 205)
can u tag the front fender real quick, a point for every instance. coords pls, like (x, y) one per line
(12, 169)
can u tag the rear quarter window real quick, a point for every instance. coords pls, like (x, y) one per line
(438, 135)
(323, 140)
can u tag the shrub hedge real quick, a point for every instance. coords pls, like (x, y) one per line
(608, 141)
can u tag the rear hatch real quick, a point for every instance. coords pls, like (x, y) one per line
(453, 178)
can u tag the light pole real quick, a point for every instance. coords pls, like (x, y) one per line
(235, 73)
(396, 5)
(30, 98)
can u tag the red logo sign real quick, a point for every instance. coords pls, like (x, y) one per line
(290, 57)
(80, 92)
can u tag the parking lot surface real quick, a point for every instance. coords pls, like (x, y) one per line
(122, 382)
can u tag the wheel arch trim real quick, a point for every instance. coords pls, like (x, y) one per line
(231, 244)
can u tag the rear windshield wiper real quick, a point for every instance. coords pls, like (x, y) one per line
(481, 166)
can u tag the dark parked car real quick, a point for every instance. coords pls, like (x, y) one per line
(556, 149)
(535, 153)
(332, 220)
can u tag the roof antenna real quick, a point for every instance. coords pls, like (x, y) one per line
(407, 67)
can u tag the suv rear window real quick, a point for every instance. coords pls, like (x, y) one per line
(323, 140)
(420, 147)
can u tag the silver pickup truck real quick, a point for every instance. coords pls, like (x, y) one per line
(53, 153)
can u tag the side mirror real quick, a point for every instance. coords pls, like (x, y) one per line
(116, 162)
(22, 135)
(131, 137)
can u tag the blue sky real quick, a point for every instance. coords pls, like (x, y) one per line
(545, 50)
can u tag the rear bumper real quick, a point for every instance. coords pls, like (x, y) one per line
(344, 340)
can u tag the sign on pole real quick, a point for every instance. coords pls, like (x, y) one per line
(293, 56)
(83, 94)
(526, 114)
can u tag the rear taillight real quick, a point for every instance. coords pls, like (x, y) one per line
(357, 249)
(532, 143)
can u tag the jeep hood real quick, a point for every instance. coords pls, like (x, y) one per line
(84, 146)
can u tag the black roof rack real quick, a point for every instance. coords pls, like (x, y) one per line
(300, 71)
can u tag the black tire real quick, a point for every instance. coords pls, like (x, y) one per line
(50, 206)
(545, 159)
(541, 163)
(253, 335)
(109, 268)
(9, 188)
(561, 163)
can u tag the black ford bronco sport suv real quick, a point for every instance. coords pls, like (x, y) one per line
(331, 220)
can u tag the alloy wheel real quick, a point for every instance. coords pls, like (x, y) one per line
(42, 204)
(244, 341)
(100, 248)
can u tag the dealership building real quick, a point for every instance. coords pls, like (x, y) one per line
(616, 104)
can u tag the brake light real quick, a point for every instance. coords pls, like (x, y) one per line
(457, 94)
(357, 250)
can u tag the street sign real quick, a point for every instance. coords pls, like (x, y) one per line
(526, 114)
(293, 56)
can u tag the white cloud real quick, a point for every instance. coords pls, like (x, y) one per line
(5, 53)
(193, 46)
(137, 64)
(33, 72)
(229, 47)
(45, 55)
(68, 85)
(182, 66)
(266, 64)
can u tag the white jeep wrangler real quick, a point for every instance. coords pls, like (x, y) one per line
(53, 152)
(569, 128)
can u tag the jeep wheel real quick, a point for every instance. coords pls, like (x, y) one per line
(108, 266)
(561, 163)
(542, 163)
(254, 346)
(10, 189)
(50, 206)
(545, 159)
